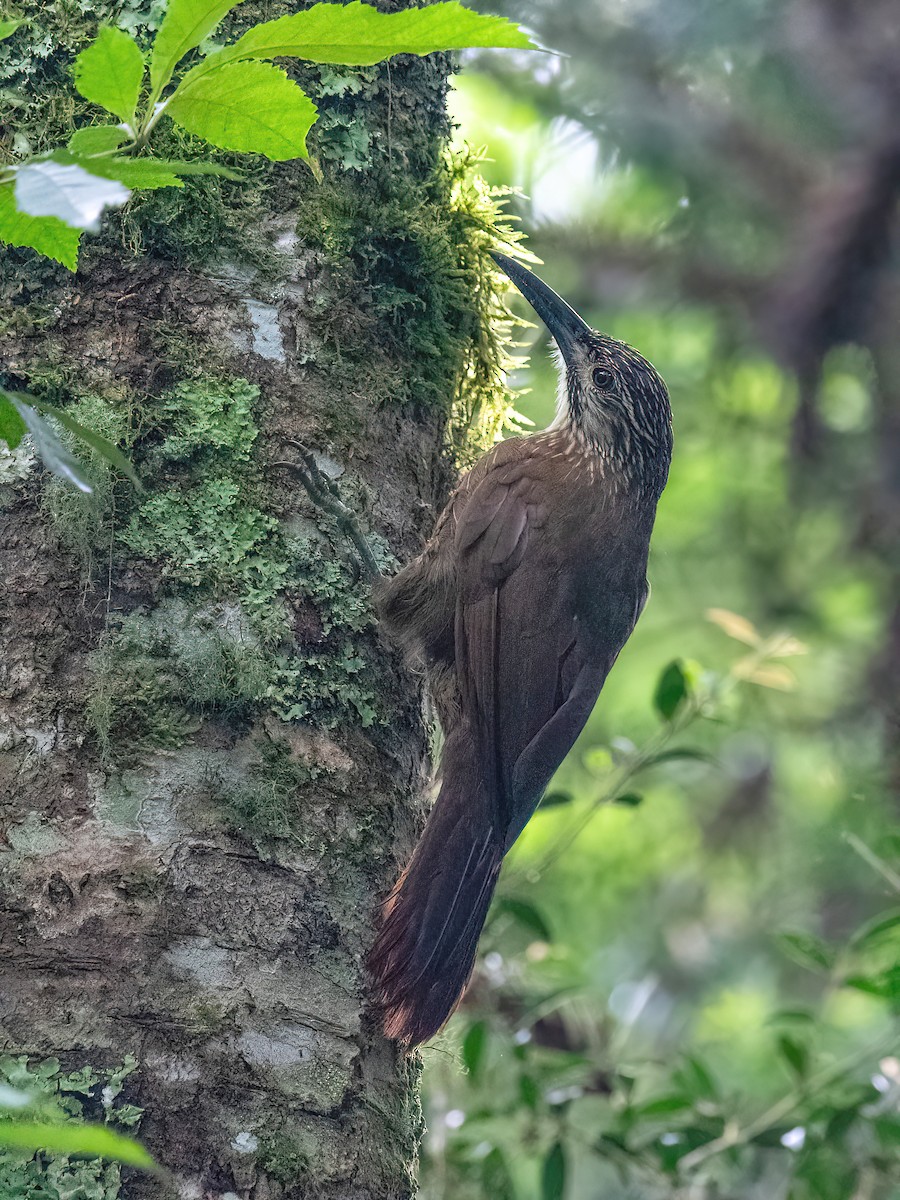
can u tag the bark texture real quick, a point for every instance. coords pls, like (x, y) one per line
(209, 765)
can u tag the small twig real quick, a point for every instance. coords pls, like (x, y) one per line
(325, 495)
(734, 1135)
(876, 863)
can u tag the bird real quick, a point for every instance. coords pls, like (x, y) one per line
(517, 607)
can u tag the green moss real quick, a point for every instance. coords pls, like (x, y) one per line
(86, 522)
(265, 804)
(283, 1158)
(156, 676)
(86, 1093)
(419, 257)
(265, 620)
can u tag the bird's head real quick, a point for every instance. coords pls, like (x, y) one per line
(610, 397)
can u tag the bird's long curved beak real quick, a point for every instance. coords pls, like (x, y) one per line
(564, 323)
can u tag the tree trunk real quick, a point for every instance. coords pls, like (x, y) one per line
(209, 763)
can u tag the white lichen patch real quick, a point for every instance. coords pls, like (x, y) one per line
(34, 838)
(17, 464)
(268, 341)
(245, 1143)
(198, 958)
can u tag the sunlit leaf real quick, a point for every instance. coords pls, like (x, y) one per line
(8, 28)
(358, 34)
(47, 235)
(66, 191)
(553, 1173)
(671, 690)
(103, 446)
(96, 139)
(735, 626)
(56, 457)
(12, 427)
(94, 1141)
(248, 106)
(109, 72)
(154, 172)
(186, 24)
(770, 675)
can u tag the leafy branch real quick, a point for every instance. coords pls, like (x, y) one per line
(234, 98)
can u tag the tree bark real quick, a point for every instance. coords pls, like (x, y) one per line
(209, 764)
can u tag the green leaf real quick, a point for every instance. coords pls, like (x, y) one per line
(872, 930)
(248, 106)
(807, 950)
(695, 1079)
(12, 427)
(555, 799)
(96, 139)
(94, 1141)
(7, 28)
(795, 1054)
(663, 1106)
(57, 187)
(688, 753)
(474, 1047)
(47, 235)
(629, 799)
(186, 24)
(150, 173)
(671, 690)
(55, 455)
(110, 71)
(359, 35)
(553, 1173)
(527, 915)
(90, 437)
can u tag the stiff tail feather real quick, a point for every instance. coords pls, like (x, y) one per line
(425, 949)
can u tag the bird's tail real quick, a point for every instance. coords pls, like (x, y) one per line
(425, 949)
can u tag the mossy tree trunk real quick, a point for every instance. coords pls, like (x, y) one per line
(209, 764)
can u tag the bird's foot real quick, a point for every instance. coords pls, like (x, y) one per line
(326, 496)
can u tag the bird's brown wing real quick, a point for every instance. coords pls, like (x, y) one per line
(528, 682)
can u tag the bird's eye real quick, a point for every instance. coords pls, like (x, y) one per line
(603, 379)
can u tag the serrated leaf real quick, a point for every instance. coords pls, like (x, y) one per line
(149, 173)
(473, 1048)
(807, 950)
(671, 690)
(103, 446)
(96, 139)
(186, 24)
(47, 235)
(71, 1138)
(553, 1173)
(110, 72)
(66, 191)
(359, 35)
(248, 106)
(12, 427)
(735, 626)
(527, 915)
(8, 28)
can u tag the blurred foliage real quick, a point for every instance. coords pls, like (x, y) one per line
(690, 980)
